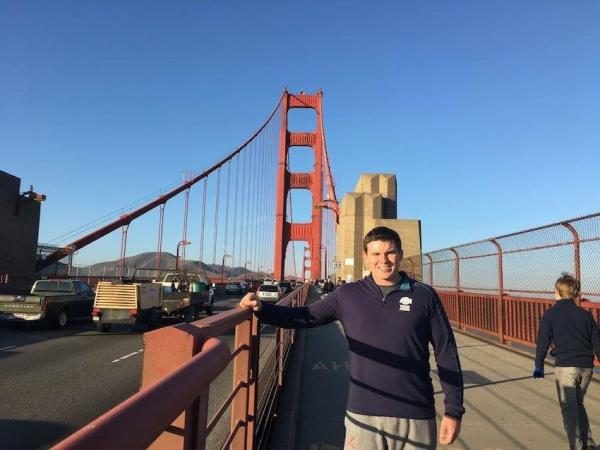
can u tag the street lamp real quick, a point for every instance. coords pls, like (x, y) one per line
(245, 269)
(223, 266)
(179, 244)
(260, 272)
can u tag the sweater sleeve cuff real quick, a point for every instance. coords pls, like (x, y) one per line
(454, 412)
(265, 311)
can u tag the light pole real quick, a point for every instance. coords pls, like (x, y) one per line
(226, 255)
(179, 244)
(245, 269)
(260, 271)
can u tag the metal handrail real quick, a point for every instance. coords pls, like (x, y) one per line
(180, 362)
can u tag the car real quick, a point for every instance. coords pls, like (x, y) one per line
(234, 287)
(269, 293)
(285, 286)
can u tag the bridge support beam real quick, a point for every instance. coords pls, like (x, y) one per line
(285, 231)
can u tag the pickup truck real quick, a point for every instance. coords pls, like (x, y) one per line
(139, 302)
(53, 301)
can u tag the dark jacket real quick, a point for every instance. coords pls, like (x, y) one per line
(388, 346)
(574, 333)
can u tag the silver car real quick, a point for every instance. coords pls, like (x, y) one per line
(269, 292)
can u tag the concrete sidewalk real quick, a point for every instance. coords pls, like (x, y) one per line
(506, 408)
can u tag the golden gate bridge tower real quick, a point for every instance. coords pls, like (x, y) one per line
(311, 232)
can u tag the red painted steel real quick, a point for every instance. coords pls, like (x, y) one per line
(312, 232)
(179, 364)
(282, 233)
(522, 314)
(576, 248)
(241, 376)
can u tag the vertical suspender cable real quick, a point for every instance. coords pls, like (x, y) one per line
(124, 230)
(257, 178)
(185, 223)
(235, 211)
(226, 210)
(201, 257)
(270, 202)
(216, 218)
(263, 187)
(161, 219)
(264, 210)
(259, 195)
(247, 203)
(259, 212)
(243, 250)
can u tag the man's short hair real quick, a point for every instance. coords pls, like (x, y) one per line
(567, 286)
(382, 234)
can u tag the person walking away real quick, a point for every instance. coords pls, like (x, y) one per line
(574, 334)
(389, 320)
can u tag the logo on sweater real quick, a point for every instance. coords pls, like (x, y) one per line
(405, 303)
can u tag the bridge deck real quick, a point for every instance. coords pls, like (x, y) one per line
(506, 408)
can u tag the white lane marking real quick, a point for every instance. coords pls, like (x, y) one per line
(128, 356)
(8, 348)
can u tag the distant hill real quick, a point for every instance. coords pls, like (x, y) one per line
(147, 260)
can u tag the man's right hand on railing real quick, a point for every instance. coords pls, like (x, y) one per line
(250, 300)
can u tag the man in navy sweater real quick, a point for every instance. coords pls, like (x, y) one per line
(576, 338)
(389, 320)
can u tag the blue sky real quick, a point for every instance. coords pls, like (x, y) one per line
(487, 112)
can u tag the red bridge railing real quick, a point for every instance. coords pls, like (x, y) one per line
(501, 286)
(180, 362)
(510, 319)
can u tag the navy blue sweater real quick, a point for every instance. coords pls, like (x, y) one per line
(574, 333)
(388, 341)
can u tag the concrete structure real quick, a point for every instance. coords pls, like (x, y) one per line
(373, 203)
(19, 225)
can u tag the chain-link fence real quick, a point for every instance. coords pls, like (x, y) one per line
(503, 285)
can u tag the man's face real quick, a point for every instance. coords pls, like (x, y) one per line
(382, 259)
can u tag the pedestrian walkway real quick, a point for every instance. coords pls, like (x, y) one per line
(506, 408)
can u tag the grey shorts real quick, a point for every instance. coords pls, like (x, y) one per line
(388, 433)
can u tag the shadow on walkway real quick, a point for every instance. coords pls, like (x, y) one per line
(506, 408)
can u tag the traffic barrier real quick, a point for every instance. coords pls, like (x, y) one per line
(180, 362)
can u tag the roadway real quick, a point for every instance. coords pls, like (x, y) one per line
(56, 381)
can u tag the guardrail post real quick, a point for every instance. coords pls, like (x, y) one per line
(430, 269)
(253, 384)
(165, 350)
(576, 254)
(241, 374)
(458, 297)
(500, 305)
